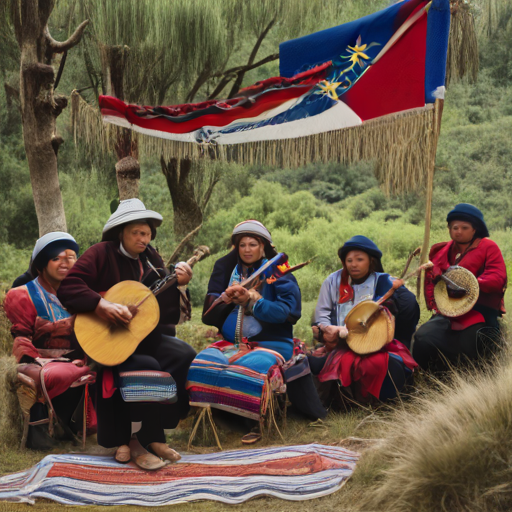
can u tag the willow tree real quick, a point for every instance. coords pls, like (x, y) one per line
(169, 51)
(139, 51)
(40, 107)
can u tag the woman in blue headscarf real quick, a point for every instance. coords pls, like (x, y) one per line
(362, 278)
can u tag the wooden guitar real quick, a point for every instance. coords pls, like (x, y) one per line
(110, 344)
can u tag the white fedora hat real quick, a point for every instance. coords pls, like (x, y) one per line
(130, 210)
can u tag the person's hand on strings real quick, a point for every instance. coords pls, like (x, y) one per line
(331, 333)
(114, 313)
(183, 273)
(238, 294)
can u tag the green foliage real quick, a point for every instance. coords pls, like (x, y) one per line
(13, 263)
(330, 183)
(19, 221)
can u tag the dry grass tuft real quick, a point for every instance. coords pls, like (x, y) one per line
(450, 448)
(10, 426)
(5, 330)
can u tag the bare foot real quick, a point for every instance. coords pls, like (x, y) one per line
(165, 451)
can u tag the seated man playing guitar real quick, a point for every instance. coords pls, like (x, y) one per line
(125, 254)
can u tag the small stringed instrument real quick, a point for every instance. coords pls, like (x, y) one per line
(110, 344)
(369, 314)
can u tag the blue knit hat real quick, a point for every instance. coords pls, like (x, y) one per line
(361, 243)
(469, 213)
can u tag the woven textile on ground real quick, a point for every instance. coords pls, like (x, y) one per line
(242, 383)
(292, 472)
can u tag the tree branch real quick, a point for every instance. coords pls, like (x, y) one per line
(241, 73)
(247, 67)
(220, 87)
(182, 244)
(208, 194)
(61, 69)
(201, 79)
(229, 74)
(60, 47)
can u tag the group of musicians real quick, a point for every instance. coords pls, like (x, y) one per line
(60, 283)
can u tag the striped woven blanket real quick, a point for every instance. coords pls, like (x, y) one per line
(287, 472)
(243, 388)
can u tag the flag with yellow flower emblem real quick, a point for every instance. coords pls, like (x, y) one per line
(390, 62)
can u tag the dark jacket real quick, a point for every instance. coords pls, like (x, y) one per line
(101, 267)
(277, 312)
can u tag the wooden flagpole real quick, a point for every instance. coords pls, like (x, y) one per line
(436, 130)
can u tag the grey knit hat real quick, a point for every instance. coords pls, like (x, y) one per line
(128, 211)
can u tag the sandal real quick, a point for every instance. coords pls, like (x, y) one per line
(251, 438)
(149, 462)
(123, 454)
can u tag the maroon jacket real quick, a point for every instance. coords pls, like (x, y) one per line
(101, 267)
(485, 261)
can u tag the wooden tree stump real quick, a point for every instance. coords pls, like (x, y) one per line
(128, 177)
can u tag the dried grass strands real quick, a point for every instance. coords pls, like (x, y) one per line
(88, 127)
(462, 57)
(402, 145)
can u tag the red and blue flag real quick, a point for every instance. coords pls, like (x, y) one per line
(389, 62)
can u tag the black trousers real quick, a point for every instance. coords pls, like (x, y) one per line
(157, 352)
(437, 347)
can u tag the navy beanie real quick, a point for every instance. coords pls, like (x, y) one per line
(361, 243)
(469, 213)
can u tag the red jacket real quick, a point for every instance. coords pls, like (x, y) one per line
(485, 261)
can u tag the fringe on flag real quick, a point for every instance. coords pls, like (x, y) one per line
(402, 146)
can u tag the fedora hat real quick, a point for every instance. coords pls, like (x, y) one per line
(370, 327)
(130, 210)
(449, 305)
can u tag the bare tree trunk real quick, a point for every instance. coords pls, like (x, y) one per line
(126, 147)
(39, 112)
(187, 212)
(128, 178)
(40, 107)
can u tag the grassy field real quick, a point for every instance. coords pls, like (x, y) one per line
(423, 442)
(359, 422)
